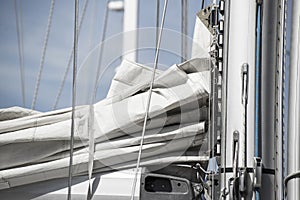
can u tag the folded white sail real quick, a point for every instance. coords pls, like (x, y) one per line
(35, 148)
(15, 112)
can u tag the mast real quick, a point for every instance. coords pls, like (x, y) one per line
(292, 181)
(130, 25)
(239, 99)
(270, 104)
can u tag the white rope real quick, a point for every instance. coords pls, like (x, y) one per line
(184, 29)
(94, 94)
(157, 20)
(19, 25)
(103, 35)
(73, 100)
(69, 60)
(149, 100)
(37, 85)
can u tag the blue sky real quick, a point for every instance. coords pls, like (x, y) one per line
(35, 16)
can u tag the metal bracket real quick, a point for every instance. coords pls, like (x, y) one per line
(260, 2)
(257, 172)
(245, 68)
(231, 184)
(232, 181)
(243, 181)
(235, 153)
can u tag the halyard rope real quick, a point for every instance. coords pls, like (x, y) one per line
(38, 80)
(73, 100)
(69, 59)
(149, 99)
(19, 26)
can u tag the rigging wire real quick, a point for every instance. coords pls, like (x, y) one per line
(157, 20)
(19, 26)
(94, 94)
(103, 36)
(37, 85)
(69, 59)
(149, 98)
(202, 4)
(184, 30)
(73, 100)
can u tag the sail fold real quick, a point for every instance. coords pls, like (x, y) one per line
(36, 147)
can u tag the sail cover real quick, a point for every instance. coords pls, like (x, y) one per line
(34, 146)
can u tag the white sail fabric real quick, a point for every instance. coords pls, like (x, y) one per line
(202, 40)
(15, 112)
(130, 74)
(36, 148)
